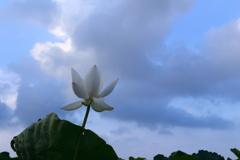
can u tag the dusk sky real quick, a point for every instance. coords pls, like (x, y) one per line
(178, 64)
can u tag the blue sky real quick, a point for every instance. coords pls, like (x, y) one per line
(178, 64)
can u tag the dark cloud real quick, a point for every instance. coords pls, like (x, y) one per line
(131, 37)
(127, 38)
(182, 73)
(37, 100)
(28, 69)
(4, 87)
(165, 132)
(157, 113)
(131, 139)
(38, 11)
(5, 116)
(38, 94)
(131, 41)
(122, 34)
(121, 130)
(212, 71)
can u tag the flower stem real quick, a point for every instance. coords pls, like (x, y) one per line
(81, 133)
(86, 116)
(78, 144)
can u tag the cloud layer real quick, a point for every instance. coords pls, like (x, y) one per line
(126, 39)
(169, 96)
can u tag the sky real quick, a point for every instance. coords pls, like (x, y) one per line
(177, 62)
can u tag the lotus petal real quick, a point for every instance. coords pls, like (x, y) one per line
(92, 81)
(72, 106)
(76, 78)
(101, 82)
(79, 91)
(99, 105)
(108, 89)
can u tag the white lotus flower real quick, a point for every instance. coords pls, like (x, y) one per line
(88, 89)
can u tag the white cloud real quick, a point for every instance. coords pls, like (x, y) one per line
(58, 31)
(58, 58)
(73, 13)
(8, 88)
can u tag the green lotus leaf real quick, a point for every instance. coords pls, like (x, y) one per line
(206, 155)
(176, 154)
(5, 156)
(55, 139)
(139, 158)
(236, 152)
(185, 157)
(160, 157)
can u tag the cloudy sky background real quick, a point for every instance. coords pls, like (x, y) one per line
(178, 62)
